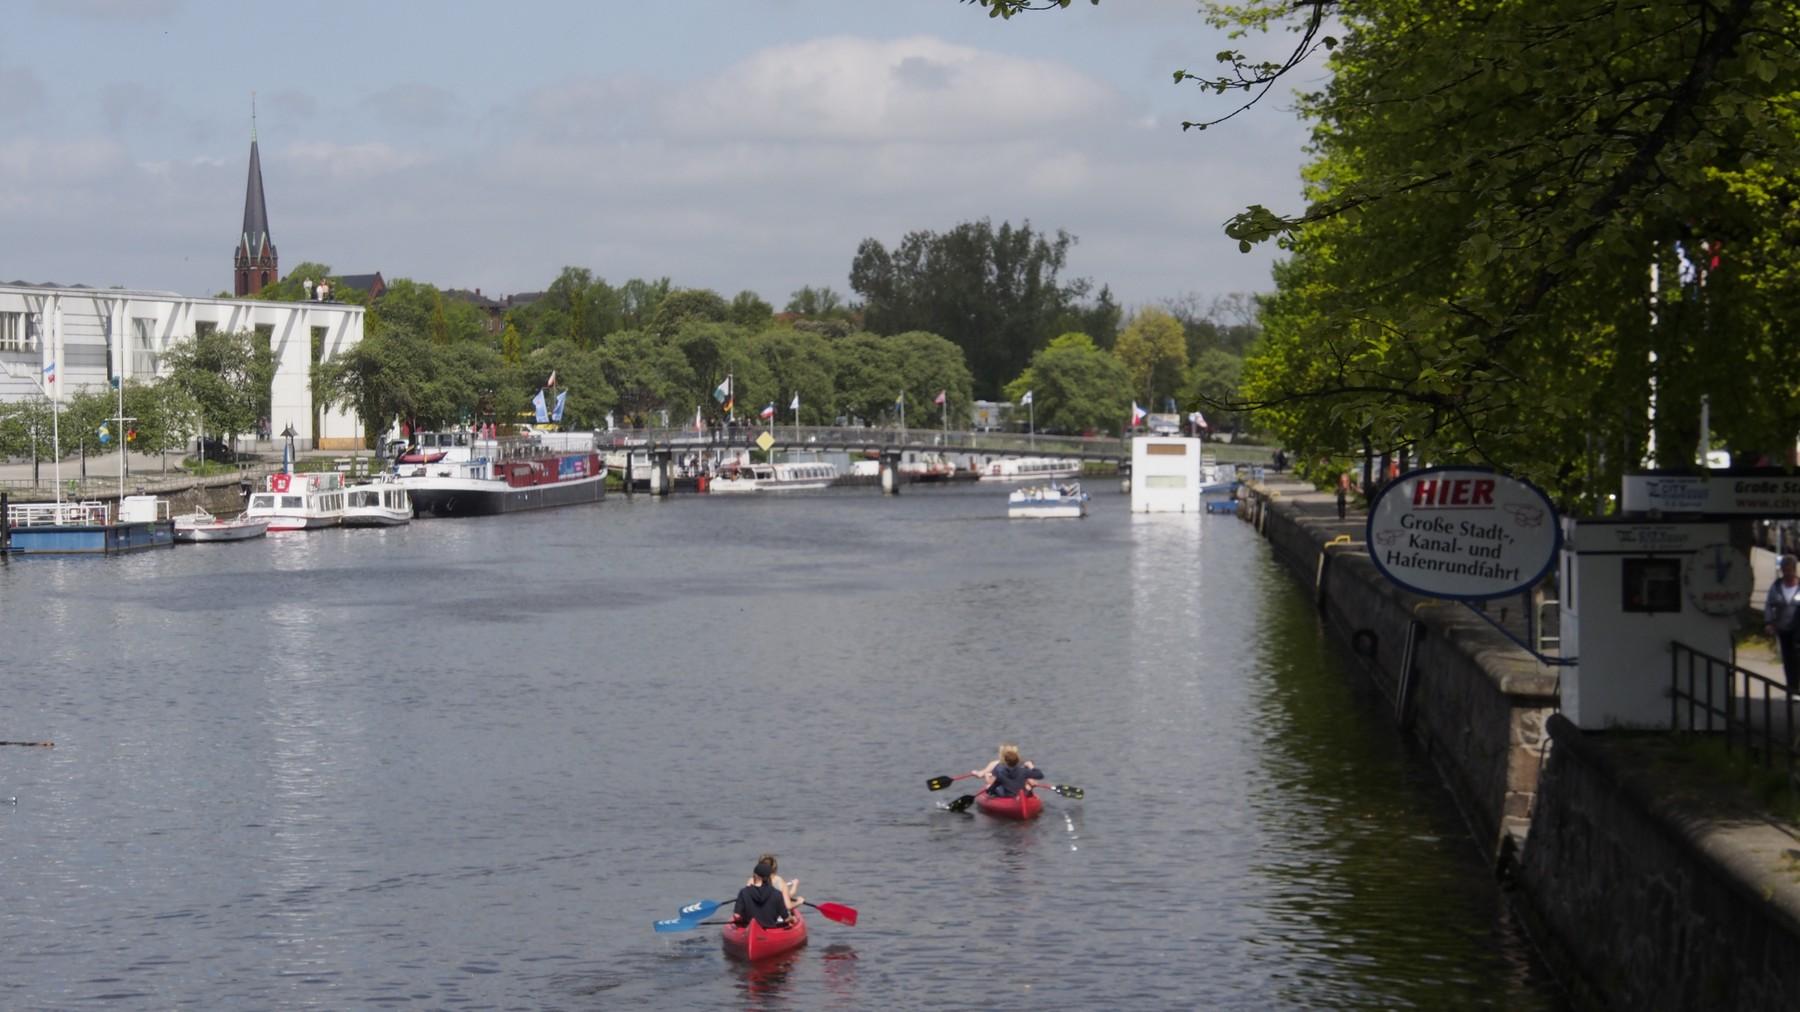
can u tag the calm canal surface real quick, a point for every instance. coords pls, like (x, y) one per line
(466, 764)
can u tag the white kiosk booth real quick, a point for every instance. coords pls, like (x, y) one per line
(1630, 590)
(1165, 474)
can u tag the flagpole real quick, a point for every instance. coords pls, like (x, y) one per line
(1031, 412)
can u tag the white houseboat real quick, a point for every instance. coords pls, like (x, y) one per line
(775, 477)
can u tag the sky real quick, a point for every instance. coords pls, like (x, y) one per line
(725, 144)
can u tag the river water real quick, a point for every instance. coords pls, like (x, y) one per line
(465, 764)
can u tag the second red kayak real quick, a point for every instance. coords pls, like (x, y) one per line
(1023, 806)
(758, 942)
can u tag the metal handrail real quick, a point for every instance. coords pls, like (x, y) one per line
(1733, 714)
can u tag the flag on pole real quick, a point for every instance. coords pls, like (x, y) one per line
(723, 395)
(1137, 415)
(105, 434)
(50, 376)
(552, 380)
(543, 410)
(900, 402)
(556, 415)
(1025, 399)
(1198, 419)
(796, 405)
(940, 397)
(769, 410)
(699, 423)
(609, 422)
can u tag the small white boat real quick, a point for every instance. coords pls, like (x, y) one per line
(380, 503)
(1048, 502)
(298, 502)
(1031, 468)
(203, 526)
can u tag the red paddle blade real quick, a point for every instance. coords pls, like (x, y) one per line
(838, 912)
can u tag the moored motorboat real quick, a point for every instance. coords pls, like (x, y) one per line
(1048, 502)
(298, 502)
(753, 941)
(380, 503)
(1020, 806)
(201, 526)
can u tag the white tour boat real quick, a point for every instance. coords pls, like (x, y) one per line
(1031, 468)
(775, 477)
(1047, 502)
(299, 502)
(201, 526)
(380, 503)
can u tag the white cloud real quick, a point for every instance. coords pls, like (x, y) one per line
(871, 90)
(362, 165)
(24, 95)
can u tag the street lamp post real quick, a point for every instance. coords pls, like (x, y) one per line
(287, 462)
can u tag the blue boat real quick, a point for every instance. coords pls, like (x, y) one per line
(88, 528)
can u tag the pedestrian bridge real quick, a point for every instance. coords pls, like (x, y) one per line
(858, 439)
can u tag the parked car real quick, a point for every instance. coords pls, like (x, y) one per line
(218, 451)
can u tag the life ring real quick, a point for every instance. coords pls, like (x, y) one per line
(278, 482)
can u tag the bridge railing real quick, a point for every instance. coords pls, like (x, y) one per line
(855, 437)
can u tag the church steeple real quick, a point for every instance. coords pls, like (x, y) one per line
(254, 263)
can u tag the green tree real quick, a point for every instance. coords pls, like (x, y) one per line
(1153, 347)
(866, 374)
(226, 376)
(646, 374)
(1212, 383)
(749, 311)
(689, 305)
(1075, 386)
(992, 292)
(820, 303)
(782, 362)
(929, 364)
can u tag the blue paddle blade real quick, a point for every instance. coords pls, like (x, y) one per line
(700, 909)
(676, 924)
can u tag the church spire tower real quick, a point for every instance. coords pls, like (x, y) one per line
(254, 263)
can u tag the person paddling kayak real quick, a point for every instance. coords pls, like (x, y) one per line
(1008, 776)
(766, 898)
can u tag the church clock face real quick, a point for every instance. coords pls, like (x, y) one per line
(1718, 579)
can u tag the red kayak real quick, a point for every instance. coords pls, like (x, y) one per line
(1022, 806)
(758, 942)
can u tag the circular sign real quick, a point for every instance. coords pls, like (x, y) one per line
(1718, 580)
(1464, 533)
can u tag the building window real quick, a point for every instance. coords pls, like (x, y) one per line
(204, 327)
(13, 335)
(144, 350)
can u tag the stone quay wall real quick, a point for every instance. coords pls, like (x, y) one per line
(1636, 900)
(1652, 906)
(1473, 700)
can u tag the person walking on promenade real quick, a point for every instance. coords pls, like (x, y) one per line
(1343, 491)
(1781, 618)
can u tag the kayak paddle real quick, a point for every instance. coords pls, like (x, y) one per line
(835, 911)
(1066, 790)
(961, 804)
(694, 915)
(690, 916)
(939, 783)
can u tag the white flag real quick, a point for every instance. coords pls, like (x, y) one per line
(1025, 399)
(796, 405)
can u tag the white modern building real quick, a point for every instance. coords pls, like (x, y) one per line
(82, 331)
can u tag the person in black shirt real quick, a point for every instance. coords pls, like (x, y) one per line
(766, 899)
